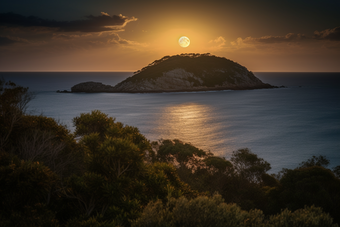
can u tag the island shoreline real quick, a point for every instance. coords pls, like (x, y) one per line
(268, 86)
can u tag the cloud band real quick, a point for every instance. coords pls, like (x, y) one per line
(101, 23)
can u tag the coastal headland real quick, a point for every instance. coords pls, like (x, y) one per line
(182, 73)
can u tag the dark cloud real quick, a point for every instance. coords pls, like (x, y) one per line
(290, 37)
(4, 41)
(100, 23)
(328, 34)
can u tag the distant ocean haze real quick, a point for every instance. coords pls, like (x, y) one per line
(285, 126)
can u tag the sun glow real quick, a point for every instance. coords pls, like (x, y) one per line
(184, 41)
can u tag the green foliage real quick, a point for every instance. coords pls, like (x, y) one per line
(241, 183)
(249, 166)
(269, 180)
(159, 181)
(25, 189)
(119, 179)
(246, 194)
(87, 192)
(217, 164)
(128, 209)
(24, 183)
(211, 70)
(102, 127)
(43, 139)
(131, 133)
(29, 122)
(205, 211)
(198, 168)
(30, 216)
(13, 103)
(13, 97)
(85, 221)
(114, 157)
(201, 211)
(110, 176)
(308, 186)
(336, 171)
(176, 151)
(94, 122)
(207, 175)
(315, 161)
(94, 195)
(307, 217)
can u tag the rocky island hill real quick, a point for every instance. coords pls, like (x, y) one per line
(185, 72)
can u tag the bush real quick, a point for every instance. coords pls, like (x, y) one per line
(201, 211)
(90, 222)
(30, 216)
(306, 187)
(307, 217)
(204, 212)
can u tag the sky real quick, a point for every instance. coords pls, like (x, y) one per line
(126, 35)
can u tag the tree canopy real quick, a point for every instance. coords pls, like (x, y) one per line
(108, 174)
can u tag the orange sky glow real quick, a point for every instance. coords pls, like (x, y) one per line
(133, 37)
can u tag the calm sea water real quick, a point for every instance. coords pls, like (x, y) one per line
(284, 126)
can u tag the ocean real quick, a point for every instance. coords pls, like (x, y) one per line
(284, 126)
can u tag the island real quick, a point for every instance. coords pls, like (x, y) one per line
(184, 72)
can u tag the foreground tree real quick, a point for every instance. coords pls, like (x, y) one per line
(180, 153)
(43, 139)
(25, 192)
(336, 171)
(243, 180)
(13, 104)
(313, 185)
(110, 173)
(315, 161)
(119, 177)
(249, 166)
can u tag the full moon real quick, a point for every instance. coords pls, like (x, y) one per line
(184, 41)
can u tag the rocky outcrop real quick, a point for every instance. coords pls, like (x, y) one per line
(185, 72)
(92, 87)
(173, 79)
(191, 72)
(181, 80)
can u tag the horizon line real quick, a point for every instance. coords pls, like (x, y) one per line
(128, 71)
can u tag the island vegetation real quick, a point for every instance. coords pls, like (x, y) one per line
(108, 174)
(191, 71)
(192, 62)
(184, 72)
